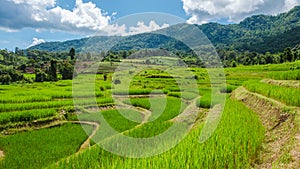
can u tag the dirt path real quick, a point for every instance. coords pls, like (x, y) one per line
(1, 154)
(190, 114)
(146, 114)
(86, 144)
(281, 148)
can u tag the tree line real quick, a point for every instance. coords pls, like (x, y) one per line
(47, 65)
(232, 58)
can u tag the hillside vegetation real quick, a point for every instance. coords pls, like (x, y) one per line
(259, 33)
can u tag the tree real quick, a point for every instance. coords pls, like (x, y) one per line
(269, 58)
(72, 53)
(231, 55)
(88, 56)
(40, 76)
(23, 68)
(67, 71)
(117, 81)
(102, 54)
(288, 55)
(5, 79)
(19, 52)
(221, 54)
(233, 64)
(295, 55)
(1, 58)
(124, 54)
(53, 71)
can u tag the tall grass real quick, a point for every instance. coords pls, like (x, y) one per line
(122, 120)
(288, 75)
(235, 144)
(7, 107)
(38, 149)
(289, 96)
(26, 116)
(162, 109)
(208, 100)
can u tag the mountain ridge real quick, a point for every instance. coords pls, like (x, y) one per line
(258, 33)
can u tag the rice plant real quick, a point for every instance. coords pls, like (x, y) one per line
(235, 144)
(38, 149)
(289, 96)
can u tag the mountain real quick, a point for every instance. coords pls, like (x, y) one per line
(255, 31)
(93, 44)
(259, 33)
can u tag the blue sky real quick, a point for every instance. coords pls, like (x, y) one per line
(28, 22)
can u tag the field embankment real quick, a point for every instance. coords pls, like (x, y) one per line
(285, 83)
(281, 148)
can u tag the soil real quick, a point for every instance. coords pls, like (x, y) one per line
(86, 144)
(1, 154)
(281, 148)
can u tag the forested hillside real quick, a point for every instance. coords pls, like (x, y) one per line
(260, 33)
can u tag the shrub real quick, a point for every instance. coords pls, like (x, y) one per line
(5, 79)
(117, 81)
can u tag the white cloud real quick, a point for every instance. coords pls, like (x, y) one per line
(36, 41)
(124, 30)
(36, 3)
(113, 30)
(290, 4)
(202, 11)
(142, 28)
(84, 18)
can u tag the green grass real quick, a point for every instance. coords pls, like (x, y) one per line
(112, 122)
(37, 149)
(289, 96)
(162, 109)
(26, 116)
(136, 92)
(8, 107)
(206, 101)
(123, 119)
(286, 75)
(228, 89)
(150, 129)
(235, 144)
(139, 102)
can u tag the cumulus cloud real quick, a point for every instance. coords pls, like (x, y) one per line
(202, 11)
(36, 41)
(124, 30)
(85, 18)
(37, 14)
(141, 27)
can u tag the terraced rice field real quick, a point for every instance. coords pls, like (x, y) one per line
(259, 127)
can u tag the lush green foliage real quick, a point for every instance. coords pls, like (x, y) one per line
(116, 119)
(289, 75)
(163, 109)
(37, 149)
(228, 89)
(26, 115)
(290, 96)
(235, 144)
(258, 33)
(206, 100)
